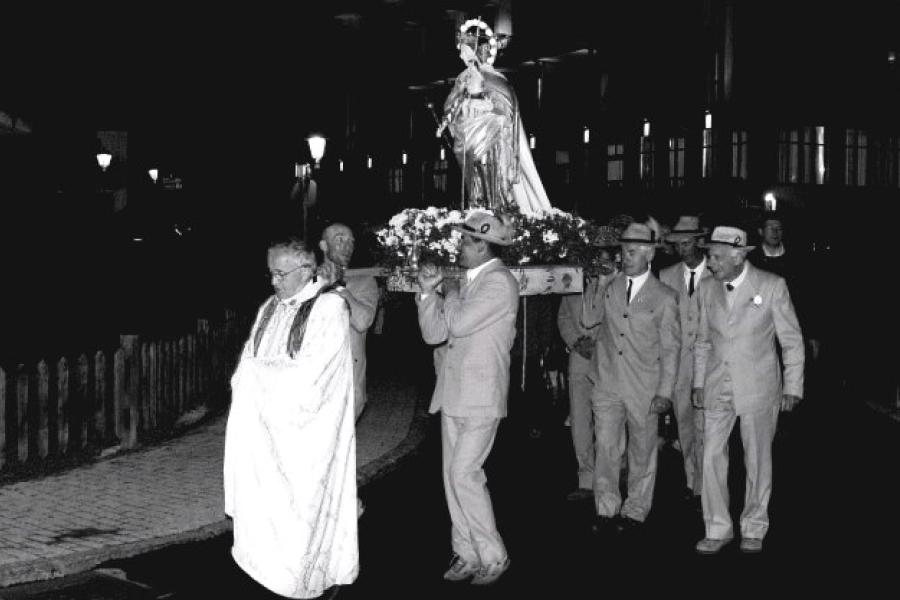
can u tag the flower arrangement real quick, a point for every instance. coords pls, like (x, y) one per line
(420, 235)
(552, 237)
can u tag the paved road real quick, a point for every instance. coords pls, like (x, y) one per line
(833, 523)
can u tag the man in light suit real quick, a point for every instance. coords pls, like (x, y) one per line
(742, 313)
(685, 277)
(361, 294)
(475, 326)
(580, 342)
(637, 351)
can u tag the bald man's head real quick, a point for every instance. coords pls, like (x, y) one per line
(337, 244)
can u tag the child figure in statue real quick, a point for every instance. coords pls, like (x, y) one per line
(489, 141)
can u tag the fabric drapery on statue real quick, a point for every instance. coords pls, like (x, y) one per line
(482, 114)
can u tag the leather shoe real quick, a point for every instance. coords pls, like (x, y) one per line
(488, 574)
(751, 545)
(580, 494)
(461, 570)
(711, 546)
(628, 525)
(603, 525)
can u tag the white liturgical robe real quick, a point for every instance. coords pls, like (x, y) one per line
(290, 454)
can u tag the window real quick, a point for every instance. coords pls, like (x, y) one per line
(646, 161)
(615, 164)
(440, 175)
(395, 180)
(855, 157)
(563, 167)
(801, 155)
(676, 161)
(888, 161)
(708, 155)
(739, 154)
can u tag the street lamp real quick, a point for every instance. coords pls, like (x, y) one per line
(103, 159)
(316, 147)
(154, 174)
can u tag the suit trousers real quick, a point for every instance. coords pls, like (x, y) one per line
(690, 437)
(610, 421)
(581, 417)
(466, 443)
(757, 433)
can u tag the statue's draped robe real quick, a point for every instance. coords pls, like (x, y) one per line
(491, 146)
(290, 453)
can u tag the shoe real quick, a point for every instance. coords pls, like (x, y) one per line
(488, 574)
(751, 545)
(580, 494)
(461, 570)
(711, 546)
(603, 525)
(627, 525)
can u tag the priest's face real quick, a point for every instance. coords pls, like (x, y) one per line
(289, 271)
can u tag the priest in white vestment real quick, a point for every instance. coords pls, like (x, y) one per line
(290, 444)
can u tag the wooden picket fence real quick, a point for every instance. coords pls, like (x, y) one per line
(115, 399)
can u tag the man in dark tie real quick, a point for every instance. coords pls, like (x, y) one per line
(741, 315)
(684, 278)
(636, 353)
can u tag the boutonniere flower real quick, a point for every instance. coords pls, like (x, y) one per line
(757, 300)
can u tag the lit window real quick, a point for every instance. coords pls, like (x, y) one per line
(708, 154)
(676, 161)
(801, 155)
(440, 174)
(646, 161)
(739, 154)
(615, 164)
(855, 157)
(395, 180)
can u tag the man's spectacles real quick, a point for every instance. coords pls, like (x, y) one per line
(279, 275)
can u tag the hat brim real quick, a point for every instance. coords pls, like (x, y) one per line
(637, 241)
(708, 243)
(476, 234)
(682, 235)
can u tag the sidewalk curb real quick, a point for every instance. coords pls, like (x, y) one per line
(77, 562)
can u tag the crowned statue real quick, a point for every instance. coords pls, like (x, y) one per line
(489, 141)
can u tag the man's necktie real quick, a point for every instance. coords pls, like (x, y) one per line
(729, 287)
(691, 284)
(628, 291)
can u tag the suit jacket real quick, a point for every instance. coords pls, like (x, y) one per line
(365, 290)
(475, 328)
(735, 349)
(568, 320)
(687, 314)
(638, 344)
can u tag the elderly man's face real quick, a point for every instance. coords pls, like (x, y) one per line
(636, 258)
(339, 245)
(724, 262)
(772, 233)
(289, 271)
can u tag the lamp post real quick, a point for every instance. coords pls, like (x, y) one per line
(103, 159)
(304, 174)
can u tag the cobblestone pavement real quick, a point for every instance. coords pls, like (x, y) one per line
(126, 505)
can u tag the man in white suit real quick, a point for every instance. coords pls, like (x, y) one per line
(580, 342)
(637, 351)
(475, 327)
(736, 374)
(685, 278)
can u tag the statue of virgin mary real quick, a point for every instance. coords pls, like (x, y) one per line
(489, 142)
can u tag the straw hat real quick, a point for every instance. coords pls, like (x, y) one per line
(687, 226)
(486, 226)
(729, 236)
